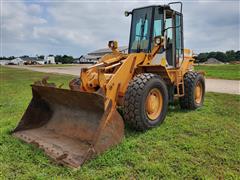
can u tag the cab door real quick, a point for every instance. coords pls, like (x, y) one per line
(178, 33)
(174, 38)
(169, 36)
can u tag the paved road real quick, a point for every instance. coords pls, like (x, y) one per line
(223, 86)
(212, 85)
(71, 70)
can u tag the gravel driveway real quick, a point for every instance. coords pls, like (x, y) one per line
(212, 85)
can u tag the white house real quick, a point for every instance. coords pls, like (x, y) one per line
(49, 59)
(94, 56)
(40, 61)
(5, 62)
(17, 61)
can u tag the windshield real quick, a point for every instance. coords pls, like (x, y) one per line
(157, 25)
(140, 30)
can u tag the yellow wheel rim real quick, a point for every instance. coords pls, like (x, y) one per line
(154, 103)
(198, 92)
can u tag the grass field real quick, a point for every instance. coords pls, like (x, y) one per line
(190, 144)
(223, 71)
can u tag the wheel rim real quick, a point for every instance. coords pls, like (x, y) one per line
(154, 104)
(198, 92)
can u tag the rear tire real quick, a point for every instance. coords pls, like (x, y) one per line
(145, 102)
(194, 88)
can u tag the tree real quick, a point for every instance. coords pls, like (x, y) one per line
(58, 58)
(3, 58)
(212, 55)
(65, 59)
(202, 57)
(24, 56)
(231, 55)
(221, 56)
(41, 57)
(237, 55)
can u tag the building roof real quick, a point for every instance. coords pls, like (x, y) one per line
(107, 50)
(92, 57)
(29, 58)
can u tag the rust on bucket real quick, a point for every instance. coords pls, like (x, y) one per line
(70, 126)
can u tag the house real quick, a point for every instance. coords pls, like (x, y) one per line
(17, 61)
(84, 59)
(94, 56)
(36, 60)
(26, 60)
(40, 61)
(29, 60)
(90, 59)
(77, 60)
(102, 52)
(50, 59)
(5, 62)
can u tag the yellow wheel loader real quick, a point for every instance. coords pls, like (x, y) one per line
(76, 124)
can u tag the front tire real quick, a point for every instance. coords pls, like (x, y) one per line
(146, 101)
(194, 88)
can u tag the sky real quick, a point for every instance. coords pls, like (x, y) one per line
(77, 27)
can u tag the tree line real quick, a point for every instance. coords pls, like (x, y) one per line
(64, 59)
(227, 56)
(7, 58)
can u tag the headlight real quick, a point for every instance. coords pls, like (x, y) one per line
(158, 40)
(110, 44)
(113, 44)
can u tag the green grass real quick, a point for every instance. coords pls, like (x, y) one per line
(189, 144)
(223, 71)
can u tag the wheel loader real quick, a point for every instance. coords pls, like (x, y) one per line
(76, 124)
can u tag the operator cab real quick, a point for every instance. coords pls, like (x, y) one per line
(149, 22)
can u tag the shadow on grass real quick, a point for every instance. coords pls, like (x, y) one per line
(172, 109)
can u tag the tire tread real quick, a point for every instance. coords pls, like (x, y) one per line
(133, 98)
(187, 102)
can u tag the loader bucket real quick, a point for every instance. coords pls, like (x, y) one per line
(70, 126)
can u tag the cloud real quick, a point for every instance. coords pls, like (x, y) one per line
(75, 28)
(18, 20)
(212, 26)
(35, 9)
